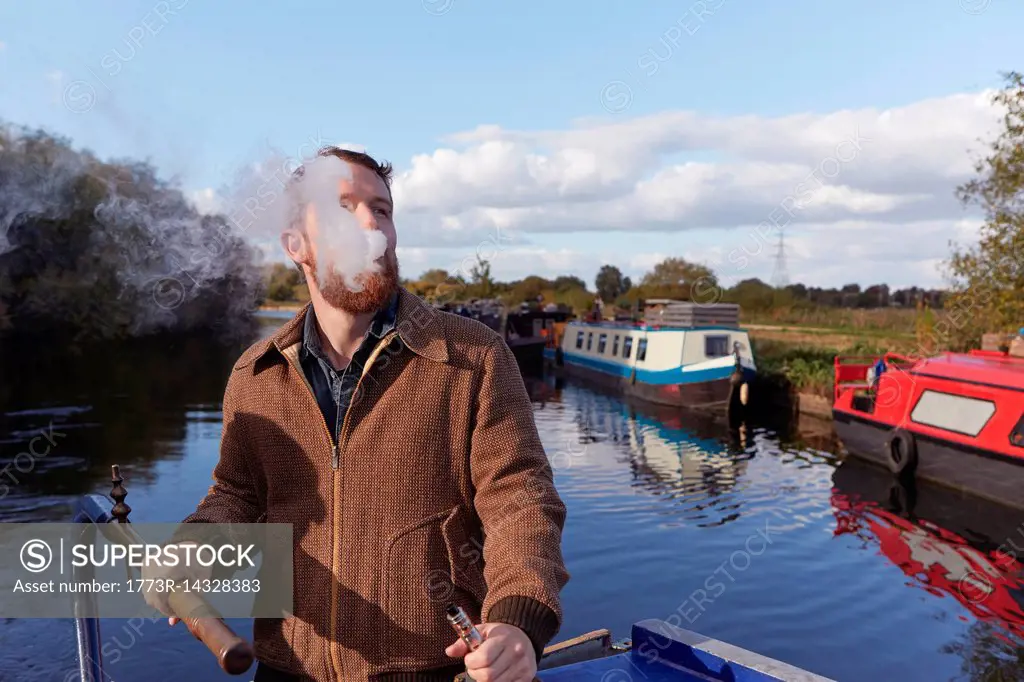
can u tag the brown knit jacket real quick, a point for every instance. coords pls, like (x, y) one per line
(442, 493)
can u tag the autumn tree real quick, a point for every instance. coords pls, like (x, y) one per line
(482, 284)
(434, 278)
(578, 299)
(431, 285)
(679, 279)
(282, 281)
(987, 292)
(752, 295)
(565, 283)
(528, 290)
(610, 283)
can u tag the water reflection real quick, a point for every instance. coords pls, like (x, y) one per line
(697, 463)
(951, 546)
(64, 419)
(948, 545)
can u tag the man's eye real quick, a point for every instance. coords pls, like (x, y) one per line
(383, 212)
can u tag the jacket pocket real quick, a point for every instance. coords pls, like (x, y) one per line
(465, 555)
(426, 567)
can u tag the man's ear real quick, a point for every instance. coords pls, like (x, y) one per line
(294, 243)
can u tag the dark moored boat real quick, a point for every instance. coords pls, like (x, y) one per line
(525, 330)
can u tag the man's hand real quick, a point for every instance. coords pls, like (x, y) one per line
(505, 656)
(158, 598)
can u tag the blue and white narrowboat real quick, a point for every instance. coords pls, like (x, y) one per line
(692, 355)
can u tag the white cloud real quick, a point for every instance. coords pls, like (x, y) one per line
(864, 194)
(866, 163)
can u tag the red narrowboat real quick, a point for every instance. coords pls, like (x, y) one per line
(956, 419)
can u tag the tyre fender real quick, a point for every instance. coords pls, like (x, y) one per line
(902, 453)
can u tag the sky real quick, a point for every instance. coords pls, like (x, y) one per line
(552, 138)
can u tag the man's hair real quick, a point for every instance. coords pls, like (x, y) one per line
(382, 169)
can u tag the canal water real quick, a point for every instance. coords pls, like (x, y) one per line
(761, 536)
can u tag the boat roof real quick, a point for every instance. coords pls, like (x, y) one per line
(994, 369)
(641, 326)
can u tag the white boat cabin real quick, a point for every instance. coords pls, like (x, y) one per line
(658, 354)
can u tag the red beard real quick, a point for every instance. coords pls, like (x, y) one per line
(376, 291)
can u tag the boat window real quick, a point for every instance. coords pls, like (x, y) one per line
(1017, 435)
(716, 346)
(615, 346)
(602, 341)
(627, 346)
(641, 350)
(590, 340)
(955, 413)
(579, 339)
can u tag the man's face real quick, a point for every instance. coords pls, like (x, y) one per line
(367, 198)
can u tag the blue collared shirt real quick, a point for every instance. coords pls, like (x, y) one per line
(334, 389)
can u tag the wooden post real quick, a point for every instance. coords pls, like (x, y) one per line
(234, 654)
(120, 510)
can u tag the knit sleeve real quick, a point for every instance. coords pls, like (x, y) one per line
(233, 497)
(516, 500)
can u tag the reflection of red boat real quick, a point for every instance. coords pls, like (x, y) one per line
(985, 577)
(956, 419)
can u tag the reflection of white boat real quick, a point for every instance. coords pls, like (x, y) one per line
(682, 457)
(663, 448)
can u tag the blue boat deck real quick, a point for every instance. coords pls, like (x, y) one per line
(662, 652)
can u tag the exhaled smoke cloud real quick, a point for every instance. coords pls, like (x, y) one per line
(121, 235)
(266, 198)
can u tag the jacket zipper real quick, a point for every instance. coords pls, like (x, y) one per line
(336, 464)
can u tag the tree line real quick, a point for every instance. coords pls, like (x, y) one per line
(674, 278)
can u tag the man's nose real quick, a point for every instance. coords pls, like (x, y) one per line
(366, 218)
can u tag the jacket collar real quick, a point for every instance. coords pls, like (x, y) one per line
(419, 326)
(382, 323)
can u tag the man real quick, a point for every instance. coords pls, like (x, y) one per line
(400, 442)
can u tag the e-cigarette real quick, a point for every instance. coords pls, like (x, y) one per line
(464, 627)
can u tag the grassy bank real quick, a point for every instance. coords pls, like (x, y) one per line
(806, 367)
(895, 321)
